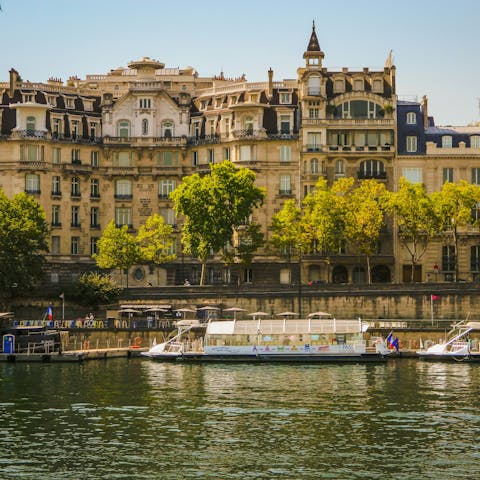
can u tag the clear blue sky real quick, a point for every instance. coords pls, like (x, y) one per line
(435, 42)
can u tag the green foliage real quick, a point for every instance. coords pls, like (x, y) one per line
(155, 240)
(214, 206)
(23, 243)
(287, 227)
(94, 289)
(250, 241)
(416, 218)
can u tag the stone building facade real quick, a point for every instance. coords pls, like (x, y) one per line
(114, 146)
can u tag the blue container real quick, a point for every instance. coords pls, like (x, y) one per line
(9, 344)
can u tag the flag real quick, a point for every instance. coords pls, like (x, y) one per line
(389, 338)
(434, 297)
(395, 344)
(49, 313)
(62, 296)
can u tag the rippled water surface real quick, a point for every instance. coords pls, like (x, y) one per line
(137, 419)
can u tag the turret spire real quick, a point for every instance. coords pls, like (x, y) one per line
(313, 54)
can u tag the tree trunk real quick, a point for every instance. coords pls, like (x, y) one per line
(369, 277)
(455, 242)
(202, 274)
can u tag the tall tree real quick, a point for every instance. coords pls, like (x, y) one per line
(364, 218)
(415, 215)
(213, 207)
(23, 243)
(287, 228)
(454, 204)
(117, 249)
(155, 240)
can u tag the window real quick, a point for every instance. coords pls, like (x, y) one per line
(285, 124)
(476, 176)
(31, 125)
(203, 105)
(285, 185)
(411, 118)
(75, 133)
(358, 85)
(76, 155)
(314, 85)
(226, 153)
(93, 130)
(412, 174)
(51, 100)
(475, 141)
(94, 158)
(167, 129)
(167, 159)
(210, 155)
(57, 125)
(475, 258)
(254, 97)
(448, 258)
(476, 213)
(56, 222)
(339, 168)
(93, 245)
(285, 153)
(165, 187)
(245, 153)
(249, 125)
(211, 127)
(123, 189)
(55, 245)
(194, 158)
(123, 216)
(144, 126)
(95, 188)
(314, 142)
(69, 102)
(145, 103)
(446, 141)
(75, 216)
(377, 85)
(411, 144)
(285, 97)
(28, 97)
(372, 169)
(339, 85)
(447, 175)
(75, 183)
(56, 155)
(31, 153)
(75, 245)
(32, 183)
(314, 166)
(123, 128)
(94, 215)
(56, 190)
(168, 215)
(313, 112)
(122, 159)
(218, 103)
(358, 109)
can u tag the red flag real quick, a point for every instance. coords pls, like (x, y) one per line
(434, 297)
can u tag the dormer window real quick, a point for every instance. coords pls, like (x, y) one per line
(377, 85)
(358, 85)
(203, 105)
(28, 97)
(218, 103)
(411, 118)
(145, 103)
(254, 97)
(339, 85)
(233, 100)
(69, 102)
(446, 141)
(87, 105)
(75, 128)
(285, 98)
(31, 124)
(52, 100)
(475, 141)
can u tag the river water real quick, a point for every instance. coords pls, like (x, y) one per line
(138, 419)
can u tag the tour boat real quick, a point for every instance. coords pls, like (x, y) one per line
(457, 346)
(274, 340)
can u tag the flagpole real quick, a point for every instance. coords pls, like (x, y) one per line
(63, 308)
(431, 307)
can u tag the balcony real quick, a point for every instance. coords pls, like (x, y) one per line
(313, 148)
(56, 224)
(283, 192)
(166, 141)
(76, 167)
(282, 136)
(364, 148)
(207, 139)
(249, 134)
(366, 175)
(360, 122)
(32, 191)
(60, 137)
(123, 196)
(32, 165)
(95, 196)
(32, 134)
(56, 193)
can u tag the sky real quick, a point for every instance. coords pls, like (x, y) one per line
(435, 42)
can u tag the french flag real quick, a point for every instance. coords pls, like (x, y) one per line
(49, 313)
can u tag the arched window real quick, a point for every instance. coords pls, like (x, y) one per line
(144, 126)
(31, 124)
(167, 129)
(123, 128)
(372, 169)
(314, 166)
(339, 274)
(314, 85)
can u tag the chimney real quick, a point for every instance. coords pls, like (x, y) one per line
(425, 111)
(14, 80)
(270, 82)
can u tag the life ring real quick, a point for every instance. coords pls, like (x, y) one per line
(86, 345)
(136, 342)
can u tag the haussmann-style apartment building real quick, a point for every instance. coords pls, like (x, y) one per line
(113, 146)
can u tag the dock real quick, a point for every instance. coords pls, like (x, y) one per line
(73, 355)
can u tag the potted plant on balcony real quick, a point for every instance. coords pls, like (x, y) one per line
(387, 110)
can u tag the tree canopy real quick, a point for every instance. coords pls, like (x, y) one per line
(23, 242)
(213, 206)
(155, 240)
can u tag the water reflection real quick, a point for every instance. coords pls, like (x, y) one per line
(140, 419)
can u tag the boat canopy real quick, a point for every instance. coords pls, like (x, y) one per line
(285, 326)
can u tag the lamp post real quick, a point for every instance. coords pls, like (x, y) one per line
(300, 281)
